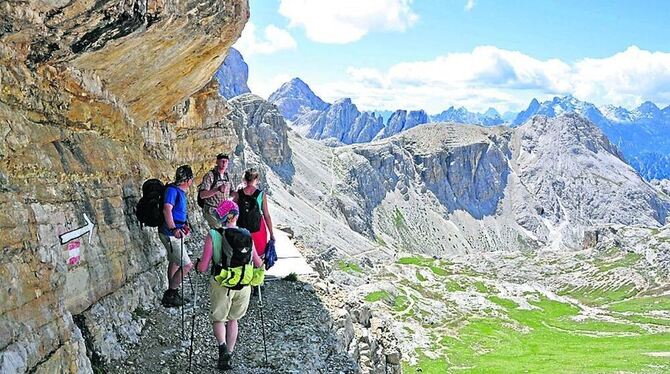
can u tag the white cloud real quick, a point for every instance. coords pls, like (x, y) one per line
(626, 78)
(484, 66)
(264, 87)
(470, 4)
(273, 40)
(346, 21)
(489, 76)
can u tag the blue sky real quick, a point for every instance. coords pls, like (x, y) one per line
(431, 54)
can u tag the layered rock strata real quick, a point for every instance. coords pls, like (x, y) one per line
(95, 97)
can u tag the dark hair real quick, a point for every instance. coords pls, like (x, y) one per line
(251, 174)
(183, 174)
(222, 156)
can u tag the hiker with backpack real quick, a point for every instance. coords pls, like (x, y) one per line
(214, 189)
(235, 266)
(254, 213)
(172, 233)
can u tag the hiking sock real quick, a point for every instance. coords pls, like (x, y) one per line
(223, 362)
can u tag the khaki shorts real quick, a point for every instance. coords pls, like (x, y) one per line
(211, 217)
(174, 252)
(227, 304)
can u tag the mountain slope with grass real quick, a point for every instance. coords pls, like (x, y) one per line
(492, 249)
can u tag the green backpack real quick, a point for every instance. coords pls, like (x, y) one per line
(233, 267)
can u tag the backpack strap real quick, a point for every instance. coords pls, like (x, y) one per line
(259, 199)
(215, 177)
(217, 237)
(224, 248)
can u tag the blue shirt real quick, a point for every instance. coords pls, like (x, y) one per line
(177, 198)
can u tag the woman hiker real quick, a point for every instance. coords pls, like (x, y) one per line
(229, 295)
(254, 213)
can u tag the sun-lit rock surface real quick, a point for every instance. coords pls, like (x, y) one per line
(95, 97)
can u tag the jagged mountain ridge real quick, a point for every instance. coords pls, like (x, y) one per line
(340, 122)
(461, 115)
(641, 134)
(452, 188)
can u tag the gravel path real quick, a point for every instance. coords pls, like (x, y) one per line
(298, 330)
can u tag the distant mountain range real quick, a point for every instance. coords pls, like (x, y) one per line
(341, 121)
(641, 134)
(461, 115)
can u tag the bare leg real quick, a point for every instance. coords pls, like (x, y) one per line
(220, 332)
(177, 277)
(172, 269)
(231, 334)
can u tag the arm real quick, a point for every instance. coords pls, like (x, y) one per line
(255, 257)
(169, 221)
(206, 190)
(266, 216)
(206, 255)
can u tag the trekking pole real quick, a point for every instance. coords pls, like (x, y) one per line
(265, 347)
(194, 290)
(181, 281)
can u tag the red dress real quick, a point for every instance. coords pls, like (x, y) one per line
(260, 237)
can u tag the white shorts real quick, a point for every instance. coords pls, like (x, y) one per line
(174, 250)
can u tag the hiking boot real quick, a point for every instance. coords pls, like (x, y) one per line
(171, 298)
(223, 363)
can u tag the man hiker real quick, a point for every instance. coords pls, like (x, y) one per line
(173, 232)
(230, 250)
(214, 189)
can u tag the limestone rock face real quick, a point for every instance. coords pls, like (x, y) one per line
(663, 185)
(232, 75)
(262, 128)
(95, 97)
(545, 183)
(588, 182)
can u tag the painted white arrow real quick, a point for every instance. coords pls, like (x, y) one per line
(64, 238)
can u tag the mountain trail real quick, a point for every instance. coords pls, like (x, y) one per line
(298, 334)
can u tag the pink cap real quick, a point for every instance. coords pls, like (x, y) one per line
(226, 207)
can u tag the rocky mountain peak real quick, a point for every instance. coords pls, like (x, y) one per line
(648, 110)
(585, 162)
(492, 113)
(648, 106)
(295, 98)
(559, 105)
(570, 130)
